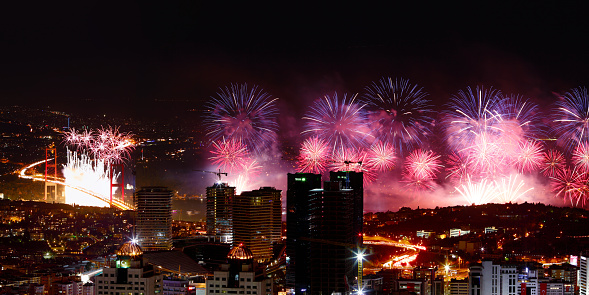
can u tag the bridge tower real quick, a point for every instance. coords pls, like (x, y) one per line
(121, 184)
(50, 171)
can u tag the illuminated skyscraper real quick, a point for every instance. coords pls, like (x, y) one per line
(356, 183)
(154, 218)
(323, 233)
(297, 229)
(219, 212)
(257, 221)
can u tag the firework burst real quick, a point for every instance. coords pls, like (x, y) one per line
(570, 185)
(398, 112)
(553, 163)
(106, 144)
(229, 154)
(313, 156)
(243, 114)
(572, 119)
(381, 156)
(530, 157)
(581, 156)
(422, 164)
(470, 116)
(340, 122)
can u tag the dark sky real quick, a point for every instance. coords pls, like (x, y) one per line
(126, 55)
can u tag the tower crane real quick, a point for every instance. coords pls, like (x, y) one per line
(218, 173)
(347, 163)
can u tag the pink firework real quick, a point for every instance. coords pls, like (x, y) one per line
(581, 156)
(229, 154)
(486, 155)
(530, 156)
(571, 185)
(110, 145)
(553, 163)
(381, 156)
(313, 156)
(458, 167)
(107, 144)
(422, 164)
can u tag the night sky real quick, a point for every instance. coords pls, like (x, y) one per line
(128, 54)
(133, 59)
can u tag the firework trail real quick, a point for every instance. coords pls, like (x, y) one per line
(313, 156)
(422, 164)
(553, 163)
(229, 155)
(243, 114)
(477, 193)
(381, 156)
(398, 112)
(570, 185)
(509, 189)
(581, 157)
(571, 119)
(530, 157)
(340, 122)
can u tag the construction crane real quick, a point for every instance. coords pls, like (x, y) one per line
(347, 163)
(218, 173)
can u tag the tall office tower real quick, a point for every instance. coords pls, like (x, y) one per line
(257, 220)
(154, 218)
(219, 212)
(297, 229)
(356, 183)
(332, 241)
(129, 274)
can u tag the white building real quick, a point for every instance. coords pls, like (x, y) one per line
(129, 274)
(493, 279)
(583, 279)
(490, 278)
(457, 232)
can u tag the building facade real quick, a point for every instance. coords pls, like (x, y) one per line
(129, 274)
(257, 221)
(220, 198)
(297, 229)
(238, 276)
(154, 218)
